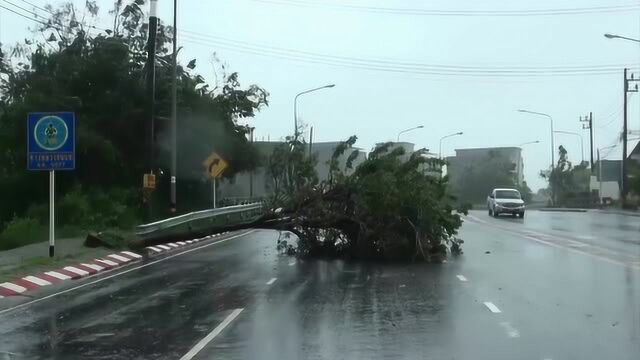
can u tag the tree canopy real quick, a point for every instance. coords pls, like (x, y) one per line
(100, 75)
(386, 209)
(568, 184)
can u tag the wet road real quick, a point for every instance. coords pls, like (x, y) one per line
(547, 287)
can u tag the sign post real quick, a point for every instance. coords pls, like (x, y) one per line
(51, 146)
(215, 165)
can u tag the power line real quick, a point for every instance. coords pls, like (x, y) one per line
(24, 16)
(253, 46)
(58, 26)
(395, 66)
(23, 9)
(38, 7)
(453, 12)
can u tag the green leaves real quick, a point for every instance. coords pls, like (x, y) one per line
(100, 76)
(388, 208)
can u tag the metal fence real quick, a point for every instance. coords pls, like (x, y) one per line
(198, 218)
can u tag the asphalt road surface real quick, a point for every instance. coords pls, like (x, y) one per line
(551, 286)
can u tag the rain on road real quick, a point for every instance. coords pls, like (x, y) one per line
(551, 286)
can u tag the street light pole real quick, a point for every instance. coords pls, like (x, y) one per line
(174, 111)
(407, 130)
(553, 161)
(574, 134)
(613, 36)
(529, 142)
(295, 106)
(444, 137)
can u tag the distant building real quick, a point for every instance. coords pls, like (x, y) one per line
(432, 169)
(239, 187)
(469, 158)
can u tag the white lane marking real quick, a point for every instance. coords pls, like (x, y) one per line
(212, 335)
(36, 280)
(173, 245)
(14, 287)
(58, 275)
(154, 248)
(93, 266)
(132, 254)
(292, 263)
(107, 262)
(164, 247)
(492, 307)
(511, 331)
(572, 249)
(181, 243)
(119, 257)
(271, 281)
(461, 277)
(75, 270)
(586, 237)
(101, 279)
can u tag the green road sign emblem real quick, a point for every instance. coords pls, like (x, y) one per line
(51, 133)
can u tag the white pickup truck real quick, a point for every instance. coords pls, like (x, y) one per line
(505, 201)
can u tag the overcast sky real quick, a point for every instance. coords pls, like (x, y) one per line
(386, 59)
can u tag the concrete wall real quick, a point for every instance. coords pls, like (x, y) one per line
(610, 189)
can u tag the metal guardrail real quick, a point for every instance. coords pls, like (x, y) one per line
(147, 229)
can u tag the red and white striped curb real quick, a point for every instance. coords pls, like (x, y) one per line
(152, 250)
(78, 271)
(32, 282)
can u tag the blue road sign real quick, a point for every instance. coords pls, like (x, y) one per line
(51, 141)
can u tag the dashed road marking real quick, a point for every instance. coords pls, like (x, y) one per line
(154, 248)
(164, 247)
(492, 307)
(212, 335)
(292, 263)
(271, 281)
(461, 278)
(511, 331)
(174, 245)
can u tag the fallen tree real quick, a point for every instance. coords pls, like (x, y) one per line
(388, 207)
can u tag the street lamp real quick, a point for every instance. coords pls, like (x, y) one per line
(444, 137)
(553, 161)
(407, 130)
(613, 36)
(530, 142)
(574, 134)
(295, 106)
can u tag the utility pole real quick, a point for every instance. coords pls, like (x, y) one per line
(151, 93)
(251, 172)
(625, 131)
(174, 111)
(588, 124)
